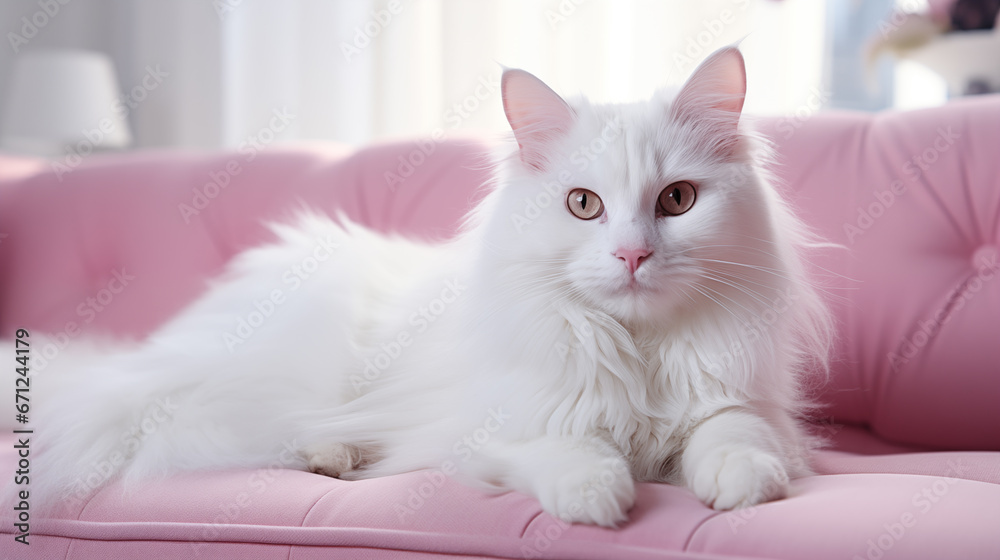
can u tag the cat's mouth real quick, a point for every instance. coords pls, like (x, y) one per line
(633, 286)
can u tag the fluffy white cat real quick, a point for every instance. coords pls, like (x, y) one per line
(629, 302)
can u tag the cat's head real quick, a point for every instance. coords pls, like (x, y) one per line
(641, 210)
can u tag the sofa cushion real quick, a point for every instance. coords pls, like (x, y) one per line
(945, 511)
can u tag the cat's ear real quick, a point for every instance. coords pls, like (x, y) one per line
(714, 94)
(536, 114)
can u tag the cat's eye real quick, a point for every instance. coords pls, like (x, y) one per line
(584, 204)
(676, 199)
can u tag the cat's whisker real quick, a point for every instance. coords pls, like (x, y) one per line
(742, 278)
(747, 265)
(731, 299)
(802, 283)
(758, 297)
(698, 289)
(817, 245)
(742, 247)
(775, 272)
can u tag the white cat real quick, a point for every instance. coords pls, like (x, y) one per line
(629, 302)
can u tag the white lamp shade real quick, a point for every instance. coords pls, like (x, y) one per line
(59, 98)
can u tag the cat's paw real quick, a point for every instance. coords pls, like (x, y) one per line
(598, 493)
(734, 477)
(332, 459)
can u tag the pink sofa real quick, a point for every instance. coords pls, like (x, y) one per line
(121, 242)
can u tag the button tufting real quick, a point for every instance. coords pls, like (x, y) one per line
(985, 257)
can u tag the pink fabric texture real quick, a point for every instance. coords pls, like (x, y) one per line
(915, 200)
(913, 471)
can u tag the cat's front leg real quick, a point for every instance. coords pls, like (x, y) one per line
(733, 460)
(578, 480)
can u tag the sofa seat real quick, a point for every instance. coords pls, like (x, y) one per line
(899, 502)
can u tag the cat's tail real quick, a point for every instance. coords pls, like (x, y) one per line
(67, 432)
(31, 358)
(136, 413)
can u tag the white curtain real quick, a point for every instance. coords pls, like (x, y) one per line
(358, 71)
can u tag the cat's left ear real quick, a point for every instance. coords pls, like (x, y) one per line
(536, 114)
(714, 93)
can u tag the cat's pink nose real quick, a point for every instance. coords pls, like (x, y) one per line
(633, 257)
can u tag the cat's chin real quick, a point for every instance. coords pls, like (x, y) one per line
(635, 303)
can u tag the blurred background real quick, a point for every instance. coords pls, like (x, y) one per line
(221, 73)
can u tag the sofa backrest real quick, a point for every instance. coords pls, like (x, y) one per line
(119, 243)
(165, 222)
(914, 197)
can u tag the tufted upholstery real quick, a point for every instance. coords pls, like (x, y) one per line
(914, 198)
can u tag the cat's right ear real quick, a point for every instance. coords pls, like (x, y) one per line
(536, 114)
(713, 96)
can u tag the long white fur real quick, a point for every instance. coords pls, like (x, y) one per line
(541, 371)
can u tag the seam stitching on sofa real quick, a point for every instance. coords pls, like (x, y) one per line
(90, 499)
(687, 543)
(530, 521)
(312, 507)
(970, 204)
